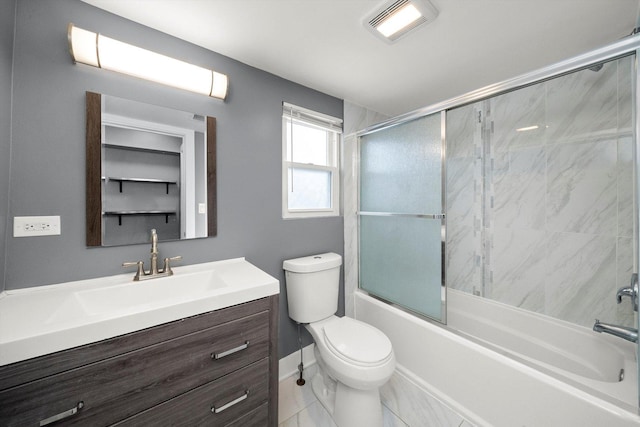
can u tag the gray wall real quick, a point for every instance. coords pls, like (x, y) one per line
(7, 13)
(47, 158)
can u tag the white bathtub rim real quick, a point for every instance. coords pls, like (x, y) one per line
(608, 339)
(613, 409)
(615, 397)
(623, 394)
(591, 367)
(511, 359)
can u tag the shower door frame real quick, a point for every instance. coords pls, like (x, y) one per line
(625, 47)
(441, 216)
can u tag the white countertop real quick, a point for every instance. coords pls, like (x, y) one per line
(45, 319)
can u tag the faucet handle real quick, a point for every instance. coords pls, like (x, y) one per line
(154, 241)
(630, 291)
(167, 264)
(139, 265)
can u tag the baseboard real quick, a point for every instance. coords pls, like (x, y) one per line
(288, 365)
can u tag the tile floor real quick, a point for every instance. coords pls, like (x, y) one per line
(404, 405)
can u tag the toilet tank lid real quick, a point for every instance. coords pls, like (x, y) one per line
(313, 263)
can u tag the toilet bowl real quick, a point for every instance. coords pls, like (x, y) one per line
(354, 358)
(354, 353)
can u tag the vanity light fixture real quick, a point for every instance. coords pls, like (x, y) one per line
(399, 18)
(99, 51)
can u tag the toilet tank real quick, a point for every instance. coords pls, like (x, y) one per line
(312, 286)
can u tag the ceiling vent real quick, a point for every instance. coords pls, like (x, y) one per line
(399, 18)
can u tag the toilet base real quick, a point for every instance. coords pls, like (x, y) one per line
(348, 407)
(326, 394)
(357, 408)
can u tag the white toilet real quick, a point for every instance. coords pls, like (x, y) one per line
(354, 358)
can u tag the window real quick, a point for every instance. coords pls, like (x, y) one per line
(310, 174)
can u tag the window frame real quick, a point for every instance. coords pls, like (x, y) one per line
(331, 125)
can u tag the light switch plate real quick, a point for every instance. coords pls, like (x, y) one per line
(25, 226)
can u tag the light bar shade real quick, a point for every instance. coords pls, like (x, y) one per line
(103, 52)
(83, 45)
(219, 85)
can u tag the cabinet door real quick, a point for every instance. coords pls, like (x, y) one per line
(237, 399)
(121, 386)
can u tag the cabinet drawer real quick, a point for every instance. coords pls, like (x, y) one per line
(119, 387)
(219, 403)
(65, 360)
(259, 417)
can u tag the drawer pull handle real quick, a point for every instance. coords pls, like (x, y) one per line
(217, 356)
(62, 415)
(230, 404)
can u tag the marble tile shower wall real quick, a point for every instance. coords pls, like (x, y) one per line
(542, 219)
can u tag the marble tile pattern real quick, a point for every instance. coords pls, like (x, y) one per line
(415, 406)
(293, 399)
(556, 200)
(464, 189)
(404, 404)
(358, 118)
(582, 104)
(540, 219)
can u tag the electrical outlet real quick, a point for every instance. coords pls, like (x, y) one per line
(25, 226)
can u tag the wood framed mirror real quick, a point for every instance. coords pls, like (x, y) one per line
(148, 167)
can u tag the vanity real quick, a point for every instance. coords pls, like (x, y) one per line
(195, 348)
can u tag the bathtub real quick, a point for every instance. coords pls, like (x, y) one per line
(526, 376)
(588, 360)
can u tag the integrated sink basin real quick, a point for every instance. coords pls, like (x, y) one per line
(44, 319)
(158, 292)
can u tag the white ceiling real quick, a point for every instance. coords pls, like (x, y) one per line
(323, 44)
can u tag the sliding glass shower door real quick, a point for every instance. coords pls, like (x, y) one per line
(401, 216)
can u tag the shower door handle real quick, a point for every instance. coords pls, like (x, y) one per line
(630, 291)
(404, 215)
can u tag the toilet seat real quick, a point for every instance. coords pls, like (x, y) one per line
(352, 352)
(357, 343)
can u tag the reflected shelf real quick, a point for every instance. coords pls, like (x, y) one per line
(120, 180)
(143, 149)
(122, 213)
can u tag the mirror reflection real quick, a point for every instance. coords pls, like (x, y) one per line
(148, 167)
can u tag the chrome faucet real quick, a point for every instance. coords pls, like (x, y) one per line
(153, 272)
(629, 334)
(630, 291)
(154, 252)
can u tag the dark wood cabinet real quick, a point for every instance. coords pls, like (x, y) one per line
(217, 368)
